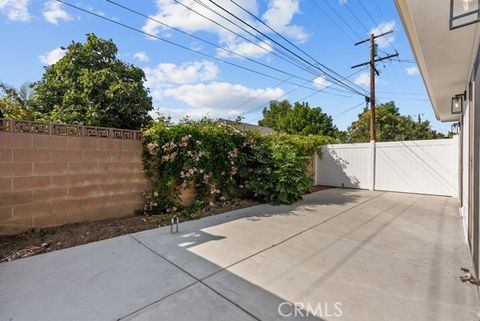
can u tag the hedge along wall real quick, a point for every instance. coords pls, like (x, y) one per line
(57, 174)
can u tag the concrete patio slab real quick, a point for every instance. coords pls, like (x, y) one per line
(369, 255)
(198, 303)
(97, 281)
(206, 246)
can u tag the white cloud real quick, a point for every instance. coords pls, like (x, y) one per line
(15, 10)
(342, 2)
(165, 75)
(53, 12)
(246, 49)
(141, 56)
(178, 113)
(176, 15)
(363, 79)
(279, 16)
(387, 40)
(217, 98)
(321, 82)
(52, 57)
(412, 71)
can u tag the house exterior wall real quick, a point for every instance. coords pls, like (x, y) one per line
(48, 180)
(470, 171)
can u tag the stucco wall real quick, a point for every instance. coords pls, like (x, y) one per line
(48, 180)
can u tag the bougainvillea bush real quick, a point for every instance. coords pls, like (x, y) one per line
(223, 163)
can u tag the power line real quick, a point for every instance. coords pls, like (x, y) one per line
(290, 91)
(341, 18)
(229, 20)
(355, 16)
(290, 51)
(379, 10)
(331, 20)
(289, 42)
(203, 40)
(290, 59)
(400, 93)
(368, 13)
(182, 46)
(308, 96)
(347, 110)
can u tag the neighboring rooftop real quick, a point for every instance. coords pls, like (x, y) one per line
(249, 127)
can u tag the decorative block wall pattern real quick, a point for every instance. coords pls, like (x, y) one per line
(54, 178)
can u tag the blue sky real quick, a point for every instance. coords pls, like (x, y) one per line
(186, 83)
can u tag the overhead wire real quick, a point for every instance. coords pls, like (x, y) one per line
(184, 47)
(287, 55)
(332, 20)
(291, 43)
(229, 20)
(308, 96)
(341, 18)
(330, 77)
(205, 41)
(268, 50)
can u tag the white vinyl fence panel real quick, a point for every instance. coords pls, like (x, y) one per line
(347, 164)
(425, 166)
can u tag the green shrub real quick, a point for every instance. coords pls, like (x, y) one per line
(281, 176)
(223, 163)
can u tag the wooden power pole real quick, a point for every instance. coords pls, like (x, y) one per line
(372, 87)
(373, 71)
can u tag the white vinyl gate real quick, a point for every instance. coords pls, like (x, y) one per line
(424, 166)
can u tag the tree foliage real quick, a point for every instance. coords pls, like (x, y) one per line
(298, 119)
(91, 86)
(15, 103)
(390, 126)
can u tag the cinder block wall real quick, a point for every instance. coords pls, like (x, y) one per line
(48, 180)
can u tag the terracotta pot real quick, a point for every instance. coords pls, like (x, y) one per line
(187, 195)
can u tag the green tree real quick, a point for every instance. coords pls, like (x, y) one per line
(15, 103)
(304, 120)
(275, 113)
(390, 126)
(91, 86)
(300, 119)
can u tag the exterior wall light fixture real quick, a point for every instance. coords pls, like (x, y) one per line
(464, 13)
(457, 103)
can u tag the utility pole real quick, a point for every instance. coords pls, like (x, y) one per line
(373, 50)
(373, 71)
